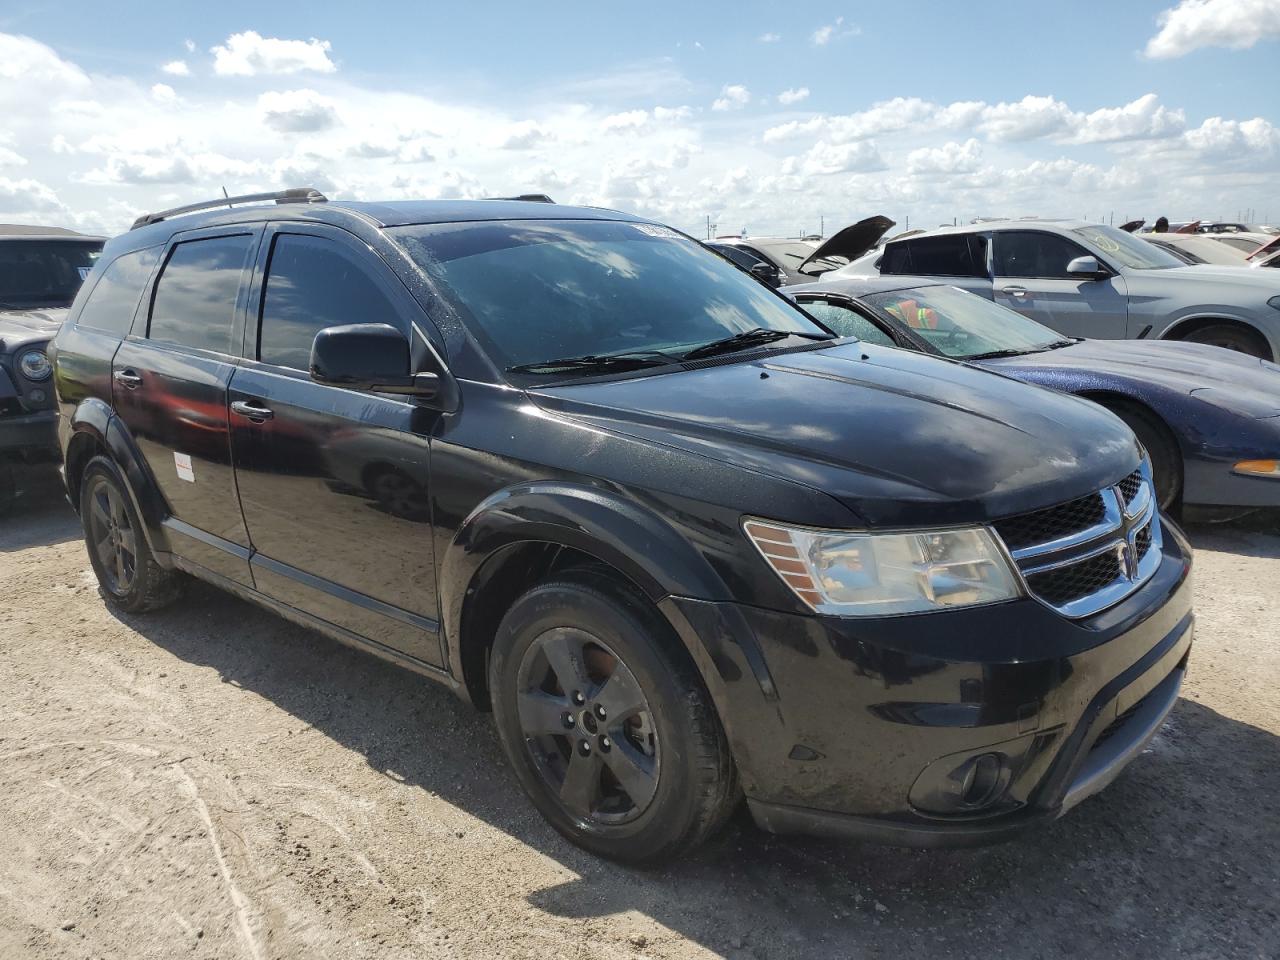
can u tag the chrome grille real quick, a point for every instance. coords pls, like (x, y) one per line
(1088, 554)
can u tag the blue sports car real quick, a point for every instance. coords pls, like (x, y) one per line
(1210, 418)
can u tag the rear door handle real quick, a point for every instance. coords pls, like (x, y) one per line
(1014, 291)
(127, 378)
(247, 408)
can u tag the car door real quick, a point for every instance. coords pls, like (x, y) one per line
(333, 482)
(1031, 277)
(169, 389)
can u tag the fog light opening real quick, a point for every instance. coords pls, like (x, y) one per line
(982, 780)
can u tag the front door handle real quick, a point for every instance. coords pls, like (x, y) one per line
(127, 378)
(247, 408)
(1014, 291)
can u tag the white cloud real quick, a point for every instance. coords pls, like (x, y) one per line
(768, 38)
(249, 54)
(794, 95)
(833, 31)
(1217, 137)
(176, 68)
(523, 135)
(628, 120)
(1028, 119)
(733, 96)
(1235, 24)
(1141, 119)
(11, 158)
(190, 45)
(163, 93)
(297, 111)
(27, 198)
(827, 158)
(947, 160)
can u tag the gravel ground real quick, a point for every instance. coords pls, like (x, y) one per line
(212, 782)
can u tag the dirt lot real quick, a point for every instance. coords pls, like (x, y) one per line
(211, 781)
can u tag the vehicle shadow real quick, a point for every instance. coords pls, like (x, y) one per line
(1257, 535)
(1178, 856)
(37, 513)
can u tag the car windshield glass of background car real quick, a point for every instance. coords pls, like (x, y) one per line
(1127, 249)
(961, 324)
(43, 273)
(536, 291)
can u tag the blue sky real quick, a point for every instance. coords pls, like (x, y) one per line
(757, 115)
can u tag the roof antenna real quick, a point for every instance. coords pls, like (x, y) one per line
(227, 195)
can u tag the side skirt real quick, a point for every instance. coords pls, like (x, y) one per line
(303, 619)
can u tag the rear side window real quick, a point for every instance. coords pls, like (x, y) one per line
(115, 296)
(1037, 255)
(952, 255)
(847, 322)
(312, 284)
(195, 300)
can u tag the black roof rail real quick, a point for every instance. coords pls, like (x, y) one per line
(527, 198)
(292, 195)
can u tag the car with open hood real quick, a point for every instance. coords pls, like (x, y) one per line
(800, 261)
(1092, 280)
(1209, 419)
(690, 546)
(41, 268)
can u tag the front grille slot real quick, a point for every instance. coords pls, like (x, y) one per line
(1045, 526)
(1077, 581)
(1087, 554)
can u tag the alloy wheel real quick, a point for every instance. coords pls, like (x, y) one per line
(112, 537)
(588, 727)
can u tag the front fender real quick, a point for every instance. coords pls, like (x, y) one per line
(635, 541)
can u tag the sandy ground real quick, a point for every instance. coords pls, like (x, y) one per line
(212, 782)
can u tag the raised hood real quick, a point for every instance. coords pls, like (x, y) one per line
(901, 438)
(851, 242)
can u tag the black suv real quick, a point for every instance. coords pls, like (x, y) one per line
(41, 268)
(686, 543)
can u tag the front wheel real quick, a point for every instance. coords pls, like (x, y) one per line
(1231, 337)
(606, 722)
(1162, 448)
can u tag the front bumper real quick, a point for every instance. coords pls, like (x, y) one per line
(30, 435)
(860, 728)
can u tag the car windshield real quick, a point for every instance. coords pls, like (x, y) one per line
(1128, 250)
(963, 325)
(540, 290)
(44, 273)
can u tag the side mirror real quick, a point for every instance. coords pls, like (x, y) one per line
(369, 356)
(766, 274)
(1087, 267)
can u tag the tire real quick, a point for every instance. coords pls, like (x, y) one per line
(656, 726)
(1161, 446)
(128, 576)
(1230, 336)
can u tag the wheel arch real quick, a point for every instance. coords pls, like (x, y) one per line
(1185, 326)
(520, 536)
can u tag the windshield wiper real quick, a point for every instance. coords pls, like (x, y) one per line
(598, 363)
(993, 354)
(748, 338)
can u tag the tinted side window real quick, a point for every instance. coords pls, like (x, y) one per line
(313, 284)
(953, 255)
(115, 296)
(740, 257)
(847, 322)
(1033, 254)
(195, 300)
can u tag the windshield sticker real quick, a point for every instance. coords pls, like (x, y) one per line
(1105, 242)
(84, 272)
(653, 230)
(182, 462)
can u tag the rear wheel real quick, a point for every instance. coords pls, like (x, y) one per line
(1161, 447)
(606, 723)
(127, 572)
(1230, 336)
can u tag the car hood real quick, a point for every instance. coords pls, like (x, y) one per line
(1213, 273)
(1246, 384)
(852, 241)
(901, 438)
(20, 327)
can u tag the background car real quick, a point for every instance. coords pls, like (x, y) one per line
(41, 269)
(1193, 248)
(1093, 280)
(1210, 419)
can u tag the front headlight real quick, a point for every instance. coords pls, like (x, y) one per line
(879, 574)
(35, 365)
